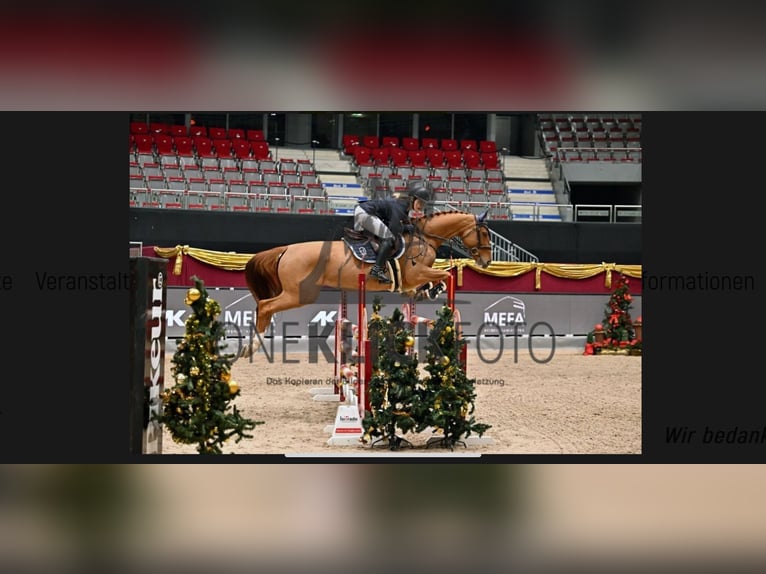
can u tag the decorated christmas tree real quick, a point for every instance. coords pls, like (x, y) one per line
(449, 394)
(618, 325)
(198, 408)
(394, 386)
(617, 331)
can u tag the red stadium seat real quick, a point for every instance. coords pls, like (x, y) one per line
(177, 131)
(139, 128)
(204, 147)
(350, 142)
(362, 155)
(380, 155)
(449, 145)
(429, 143)
(410, 144)
(490, 160)
(400, 157)
(158, 128)
(390, 141)
(236, 134)
(435, 157)
(242, 149)
(487, 146)
(261, 150)
(144, 143)
(163, 143)
(223, 147)
(454, 159)
(418, 158)
(371, 142)
(472, 159)
(216, 133)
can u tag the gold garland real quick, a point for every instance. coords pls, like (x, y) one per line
(562, 270)
(232, 261)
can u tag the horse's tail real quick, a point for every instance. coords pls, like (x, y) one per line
(262, 273)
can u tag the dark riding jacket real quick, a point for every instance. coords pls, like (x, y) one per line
(393, 212)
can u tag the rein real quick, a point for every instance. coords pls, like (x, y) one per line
(473, 250)
(418, 233)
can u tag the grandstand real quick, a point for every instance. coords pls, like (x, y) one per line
(189, 166)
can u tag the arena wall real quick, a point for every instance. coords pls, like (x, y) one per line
(551, 242)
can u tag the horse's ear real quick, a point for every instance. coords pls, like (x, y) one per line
(482, 217)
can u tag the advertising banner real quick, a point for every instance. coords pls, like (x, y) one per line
(148, 307)
(482, 314)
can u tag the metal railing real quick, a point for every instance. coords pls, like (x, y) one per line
(607, 213)
(624, 153)
(503, 249)
(497, 211)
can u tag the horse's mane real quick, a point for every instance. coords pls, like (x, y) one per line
(430, 216)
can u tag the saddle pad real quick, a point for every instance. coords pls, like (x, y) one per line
(365, 251)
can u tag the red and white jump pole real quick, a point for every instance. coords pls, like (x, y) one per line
(348, 421)
(463, 358)
(364, 368)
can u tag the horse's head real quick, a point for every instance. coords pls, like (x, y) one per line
(471, 230)
(478, 241)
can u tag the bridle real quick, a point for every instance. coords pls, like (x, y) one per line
(474, 251)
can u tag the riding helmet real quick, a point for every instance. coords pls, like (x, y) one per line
(419, 191)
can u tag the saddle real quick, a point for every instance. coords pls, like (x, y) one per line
(365, 246)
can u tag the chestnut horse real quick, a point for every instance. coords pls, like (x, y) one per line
(291, 276)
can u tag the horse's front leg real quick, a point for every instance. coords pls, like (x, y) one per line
(421, 275)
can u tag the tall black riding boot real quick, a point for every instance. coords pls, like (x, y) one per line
(378, 270)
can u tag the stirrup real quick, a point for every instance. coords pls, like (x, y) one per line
(379, 274)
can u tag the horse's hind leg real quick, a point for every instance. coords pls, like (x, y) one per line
(265, 311)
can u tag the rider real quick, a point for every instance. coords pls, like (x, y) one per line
(386, 218)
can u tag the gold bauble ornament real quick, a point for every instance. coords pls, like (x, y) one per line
(226, 376)
(445, 360)
(180, 378)
(409, 341)
(194, 371)
(193, 294)
(233, 387)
